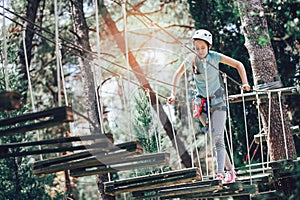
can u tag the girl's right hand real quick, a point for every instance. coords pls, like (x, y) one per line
(171, 99)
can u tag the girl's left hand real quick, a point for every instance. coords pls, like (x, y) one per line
(246, 87)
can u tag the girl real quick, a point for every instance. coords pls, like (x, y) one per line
(205, 66)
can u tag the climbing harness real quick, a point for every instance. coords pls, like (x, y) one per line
(198, 104)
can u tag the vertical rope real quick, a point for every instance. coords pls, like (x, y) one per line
(127, 60)
(60, 73)
(98, 92)
(57, 54)
(4, 47)
(283, 126)
(175, 139)
(229, 121)
(28, 72)
(260, 131)
(247, 136)
(209, 117)
(157, 122)
(190, 124)
(152, 115)
(269, 128)
(29, 82)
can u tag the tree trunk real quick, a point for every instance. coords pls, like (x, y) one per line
(89, 98)
(184, 155)
(263, 62)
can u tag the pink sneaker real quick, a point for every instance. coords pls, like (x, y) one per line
(229, 177)
(220, 177)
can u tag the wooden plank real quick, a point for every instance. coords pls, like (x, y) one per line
(133, 147)
(179, 189)
(54, 150)
(10, 100)
(246, 190)
(152, 181)
(99, 137)
(157, 160)
(272, 194)
(37, 120)
(247, 171)
(96, 158)
(206, 189)
(257, 178)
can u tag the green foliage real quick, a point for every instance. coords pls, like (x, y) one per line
(145, 129)
(143, 123)
(17, 181)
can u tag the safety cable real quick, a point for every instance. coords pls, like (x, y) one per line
(175, 139)
(260, 130)
(178, 41)
(29, 83)
(209, 114)
(230, 139)
(247, 135)
(152, 116)
(191, 127)
(283, 126)
(100, 110)
(4, 48)
(269, 127)
(76, 47)
(127, 108)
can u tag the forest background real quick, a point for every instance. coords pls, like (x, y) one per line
(123, 100)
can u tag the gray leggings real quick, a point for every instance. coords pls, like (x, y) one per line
(218, 120)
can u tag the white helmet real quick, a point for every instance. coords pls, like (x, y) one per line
(202, 34)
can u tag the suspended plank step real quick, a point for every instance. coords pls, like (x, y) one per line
(85, 158)
(267, 195)
(34, 121)
(285, 165)
(53, 150)
(231, 190)
(252, 171)
(6, 150)
(152, 181)
(123, 164)
(179, 189)
(262, 178)
(10, 100)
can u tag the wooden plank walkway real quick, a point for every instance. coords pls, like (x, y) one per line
(102, 142)
(86, 158)
(36, 120)
(122, 164)
(152, 181)
(179, 189)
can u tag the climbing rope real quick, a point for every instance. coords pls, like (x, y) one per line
(4, 47)
(190, 125)
(152, 116)
(283, 126)
(247, 136)
(175, 139)
(177, 40)
(209, 115)
(100, 109)
(124, 12)
(230, 140)
(269, 126)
